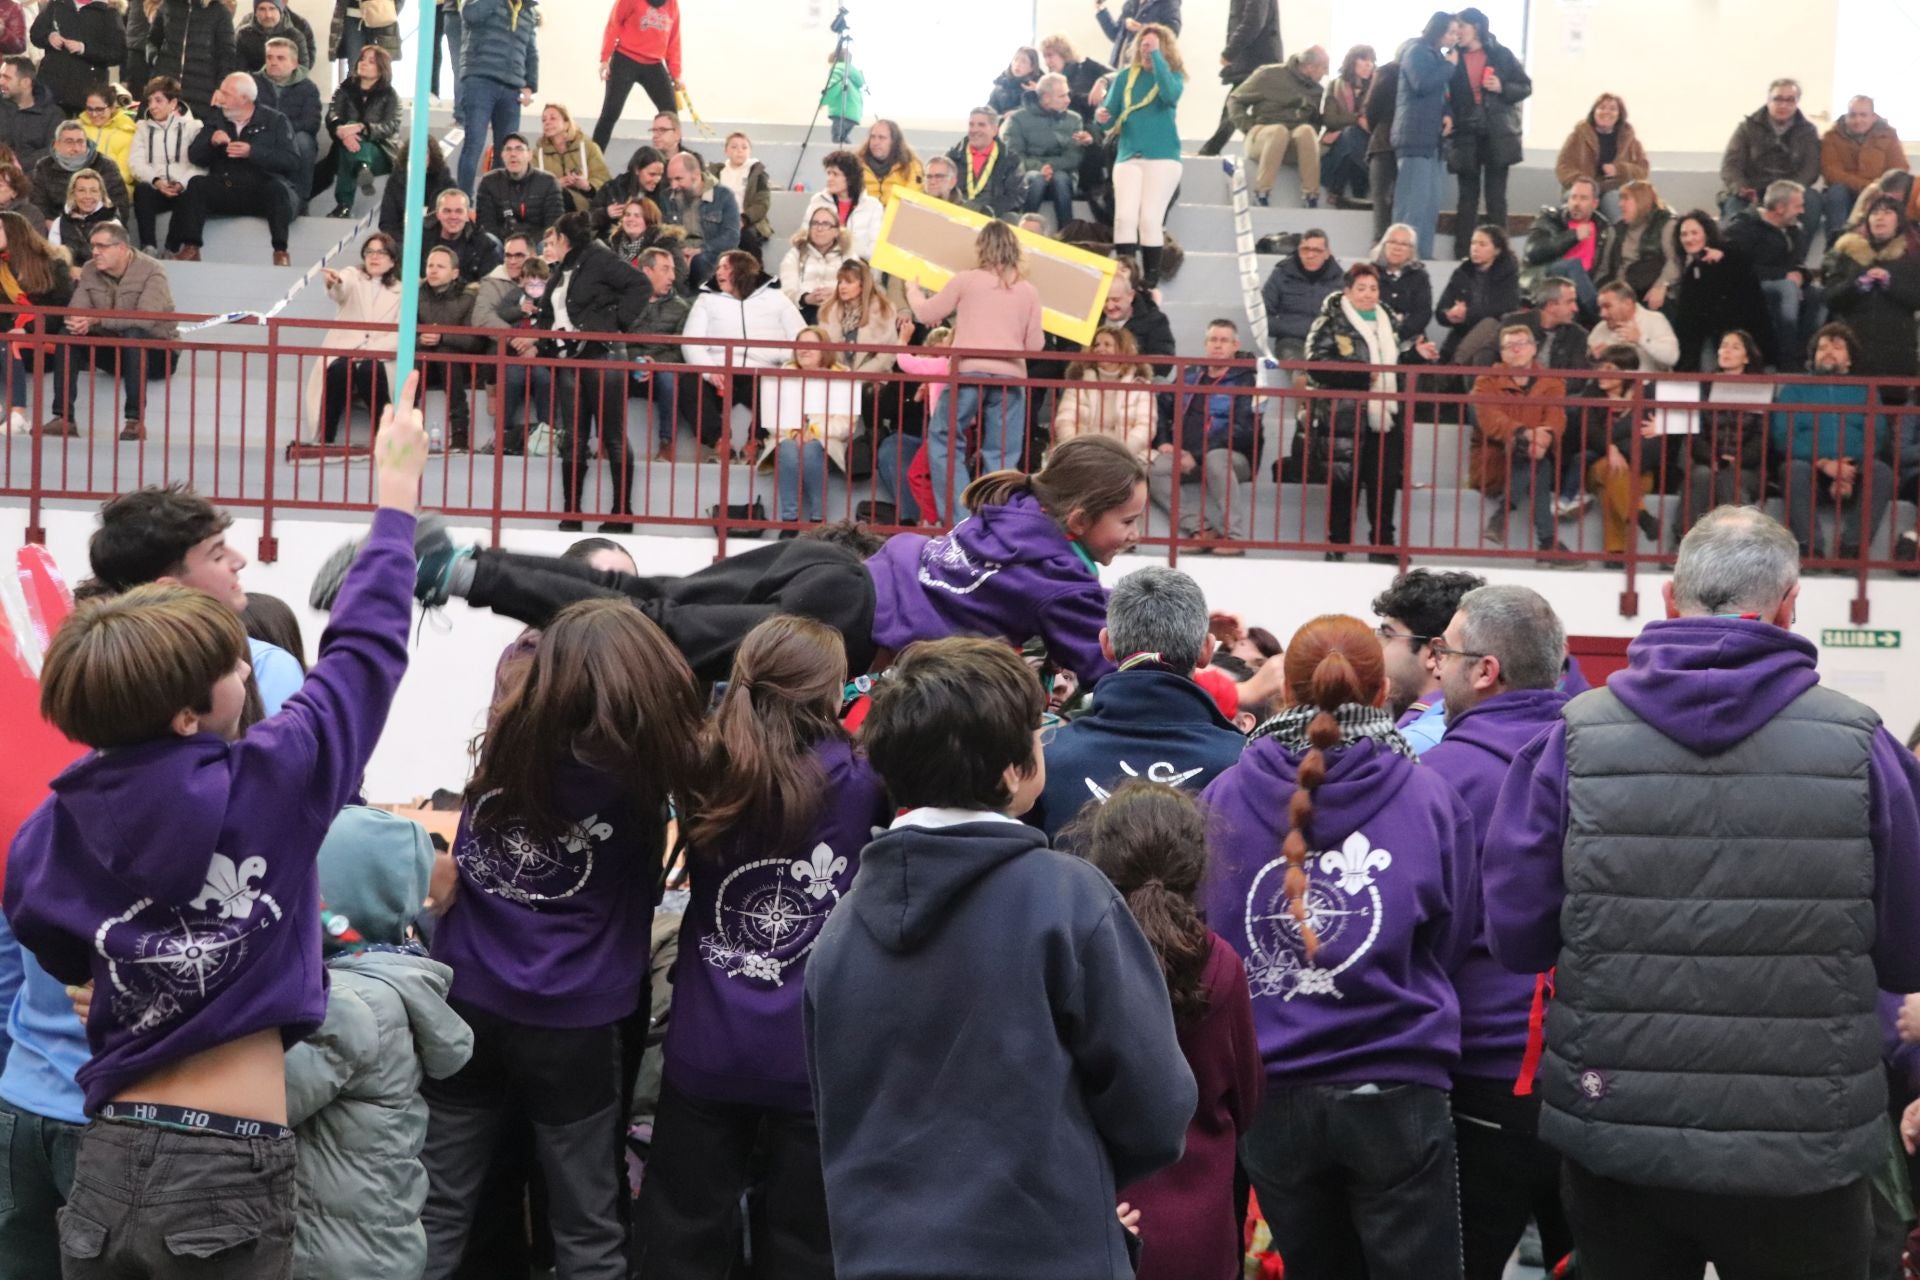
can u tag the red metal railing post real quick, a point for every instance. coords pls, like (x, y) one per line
(270, 545)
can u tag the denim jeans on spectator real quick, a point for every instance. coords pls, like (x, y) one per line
(994, 417)
(843, 127)
(447, 30)
(662, 395)
(890, 462)
(1343, 170)
(1838, 205)
(1061, 188)
(528, 395)
(1583, 290)
(15, 369)
(1416, 197)
(1795, 312)
(1855, 518)
(800, 473)
(1530, 485)
(484, 103)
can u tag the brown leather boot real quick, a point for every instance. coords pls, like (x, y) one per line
(187, 253)
(61, 427)
(281, 258)
(135, 430)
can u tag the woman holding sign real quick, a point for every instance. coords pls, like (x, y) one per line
(1139, 115)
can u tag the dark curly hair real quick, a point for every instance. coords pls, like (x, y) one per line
(1426, 600)
(146, 534)
(851, 169)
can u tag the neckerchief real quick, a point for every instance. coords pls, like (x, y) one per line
(1133, 74)
(976, 185)
(1357, 722)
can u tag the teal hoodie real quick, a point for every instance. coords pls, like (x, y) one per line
(1828, 431)
(1152, 132)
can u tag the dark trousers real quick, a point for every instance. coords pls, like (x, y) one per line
(622, 74)
(160, 1204)
(1625, 1232)
(1383, 174)
(456, 380)
(252, 192)
(1507, 1175)
(566, 1083)
(133, 366)
(38, 1156)
(148, 202)
(348, 380)
(710, 411)
(702, 1161)
(446, 29)
(706, 614)
(1492, 179)
(1378, 466)
(1223, 133)
(1357, 1184)
(587, 399)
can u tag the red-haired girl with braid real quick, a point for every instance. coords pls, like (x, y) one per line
(1344, 875)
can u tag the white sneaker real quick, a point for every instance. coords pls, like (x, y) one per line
(1568, 508)
(18, 423)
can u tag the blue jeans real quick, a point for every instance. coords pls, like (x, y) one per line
(1061, 188)
(663, 395)
(1836, 208)
(1416, 197)
(800, 470)
(843, 127)
(1795, 312)
(1343, 170)
(447, 28)
(15, 370)
(895, 454)
(1812, 218)
(1530, 483)
(996, 417)
(1568, 269)
(36, 1164)
(529, 392)
(484, 103)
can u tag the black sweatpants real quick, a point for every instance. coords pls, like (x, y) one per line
(1507, 1175)
(706, 614)
(702, 1161)
(1627, 1232)
(622, 74)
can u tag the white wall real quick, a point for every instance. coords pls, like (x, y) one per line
(443, 698)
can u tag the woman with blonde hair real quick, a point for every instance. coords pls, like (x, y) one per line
(1057, 52)
(1115, 395)
(815, 421)
(994, 308)
(859, 314)
(1140, 113)
(1604, 147)
(86, 208)
(1640, 249)
(570, 156)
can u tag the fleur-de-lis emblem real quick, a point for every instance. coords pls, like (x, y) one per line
(1355, 862)
(231, 891)
(817, 872)
(585, 832)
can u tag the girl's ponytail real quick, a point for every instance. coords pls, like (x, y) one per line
(1092, 474)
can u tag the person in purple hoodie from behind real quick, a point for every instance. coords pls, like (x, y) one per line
(774, 830)
(1344, 875)
(1498, 661)
(173, 867)
(559, 852)
(1026, 563)
(1721, 861)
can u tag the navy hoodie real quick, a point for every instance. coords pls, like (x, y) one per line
(1706, 683)
(992, 1053)
(1480, 745)
(1153, 724)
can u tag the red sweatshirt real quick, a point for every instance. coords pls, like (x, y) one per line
(644, 32)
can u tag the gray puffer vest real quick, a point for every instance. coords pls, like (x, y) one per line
(1714, 1026)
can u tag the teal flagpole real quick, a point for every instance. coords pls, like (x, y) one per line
(416, 191)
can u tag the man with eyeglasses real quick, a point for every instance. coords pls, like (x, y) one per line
(1296, 290)
(1520, 419)
(453, 228)
(528, 392)
(118, 277)
(1774, 143)
(1498, 663)
(1412, 612)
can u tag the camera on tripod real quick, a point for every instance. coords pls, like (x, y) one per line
(840, 24)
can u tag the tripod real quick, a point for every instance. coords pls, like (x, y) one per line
(840, 29)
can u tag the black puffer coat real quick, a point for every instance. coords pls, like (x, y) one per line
(103, 39)
(1487, 132)
(377, 108)
(192, 41)
(604, 294)
(1489, 292)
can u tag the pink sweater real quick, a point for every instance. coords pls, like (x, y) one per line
(988, 316)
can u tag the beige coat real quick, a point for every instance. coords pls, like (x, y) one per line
(806, 406)
(878, 330)
(1125, 414)
(361, 301)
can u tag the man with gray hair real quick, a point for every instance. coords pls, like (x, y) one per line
(1721, 860)
(943, 179)
(1150, 719)
(1050, 139)
(248, 153)
(1775, 240)
(1498, 663)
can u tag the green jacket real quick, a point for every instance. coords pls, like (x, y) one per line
(843, 96)
(1045, 137)
(1150, 132)
(660, 317)
(1278, 93)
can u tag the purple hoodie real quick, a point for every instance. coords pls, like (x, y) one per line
(556, 933)
(1706, 683)
(1494, 1005)
(1392, 894)
(1005, 571)
(736, 1034)
(178, 875)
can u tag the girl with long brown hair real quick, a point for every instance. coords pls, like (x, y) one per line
(1346, 878)
(1151, 841)
(33, 274)
(559, 856)
(774, 827)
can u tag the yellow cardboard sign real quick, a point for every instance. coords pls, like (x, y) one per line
(930, 241)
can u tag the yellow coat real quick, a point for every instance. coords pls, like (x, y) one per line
(881, 188)
(115, 141)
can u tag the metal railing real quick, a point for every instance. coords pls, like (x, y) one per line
(1419, 472)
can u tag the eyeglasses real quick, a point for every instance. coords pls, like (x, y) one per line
(517, 257)
(1788, 101)
(101, 246)
(826, 226)
(98, 111)
(1388, 635)
(1441, 651)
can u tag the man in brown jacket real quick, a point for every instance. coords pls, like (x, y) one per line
(1519, 422)
(117, 277)
(1854, 153)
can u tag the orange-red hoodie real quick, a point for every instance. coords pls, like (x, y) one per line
(646, 31)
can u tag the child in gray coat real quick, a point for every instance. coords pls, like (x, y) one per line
(353, 1087)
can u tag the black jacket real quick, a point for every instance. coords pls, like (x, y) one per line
(103, 40)
(1253, 38)
(533, 201)
(1081, 77)
(1293, 296)
(1562, 348)
(1408, 293)
(1712, 298)
(479, 252)
(1010, 94)
(1004, 192)
(1487, 132)
(378, 109)
(50, 183)
(1019, 999)
(192, 41)
(250, 41)
(29, 130)
(1882, 315)
(450, 307)
(1550, 239)
(75, 228)
(619, 189)
(1151, 330)
(393, 197)
(298, 100)
(1164, 12)
(604, 294)
(268, 135)
(1489, 294)
(1378, 109)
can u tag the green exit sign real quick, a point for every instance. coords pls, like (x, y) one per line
(1857, 638)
